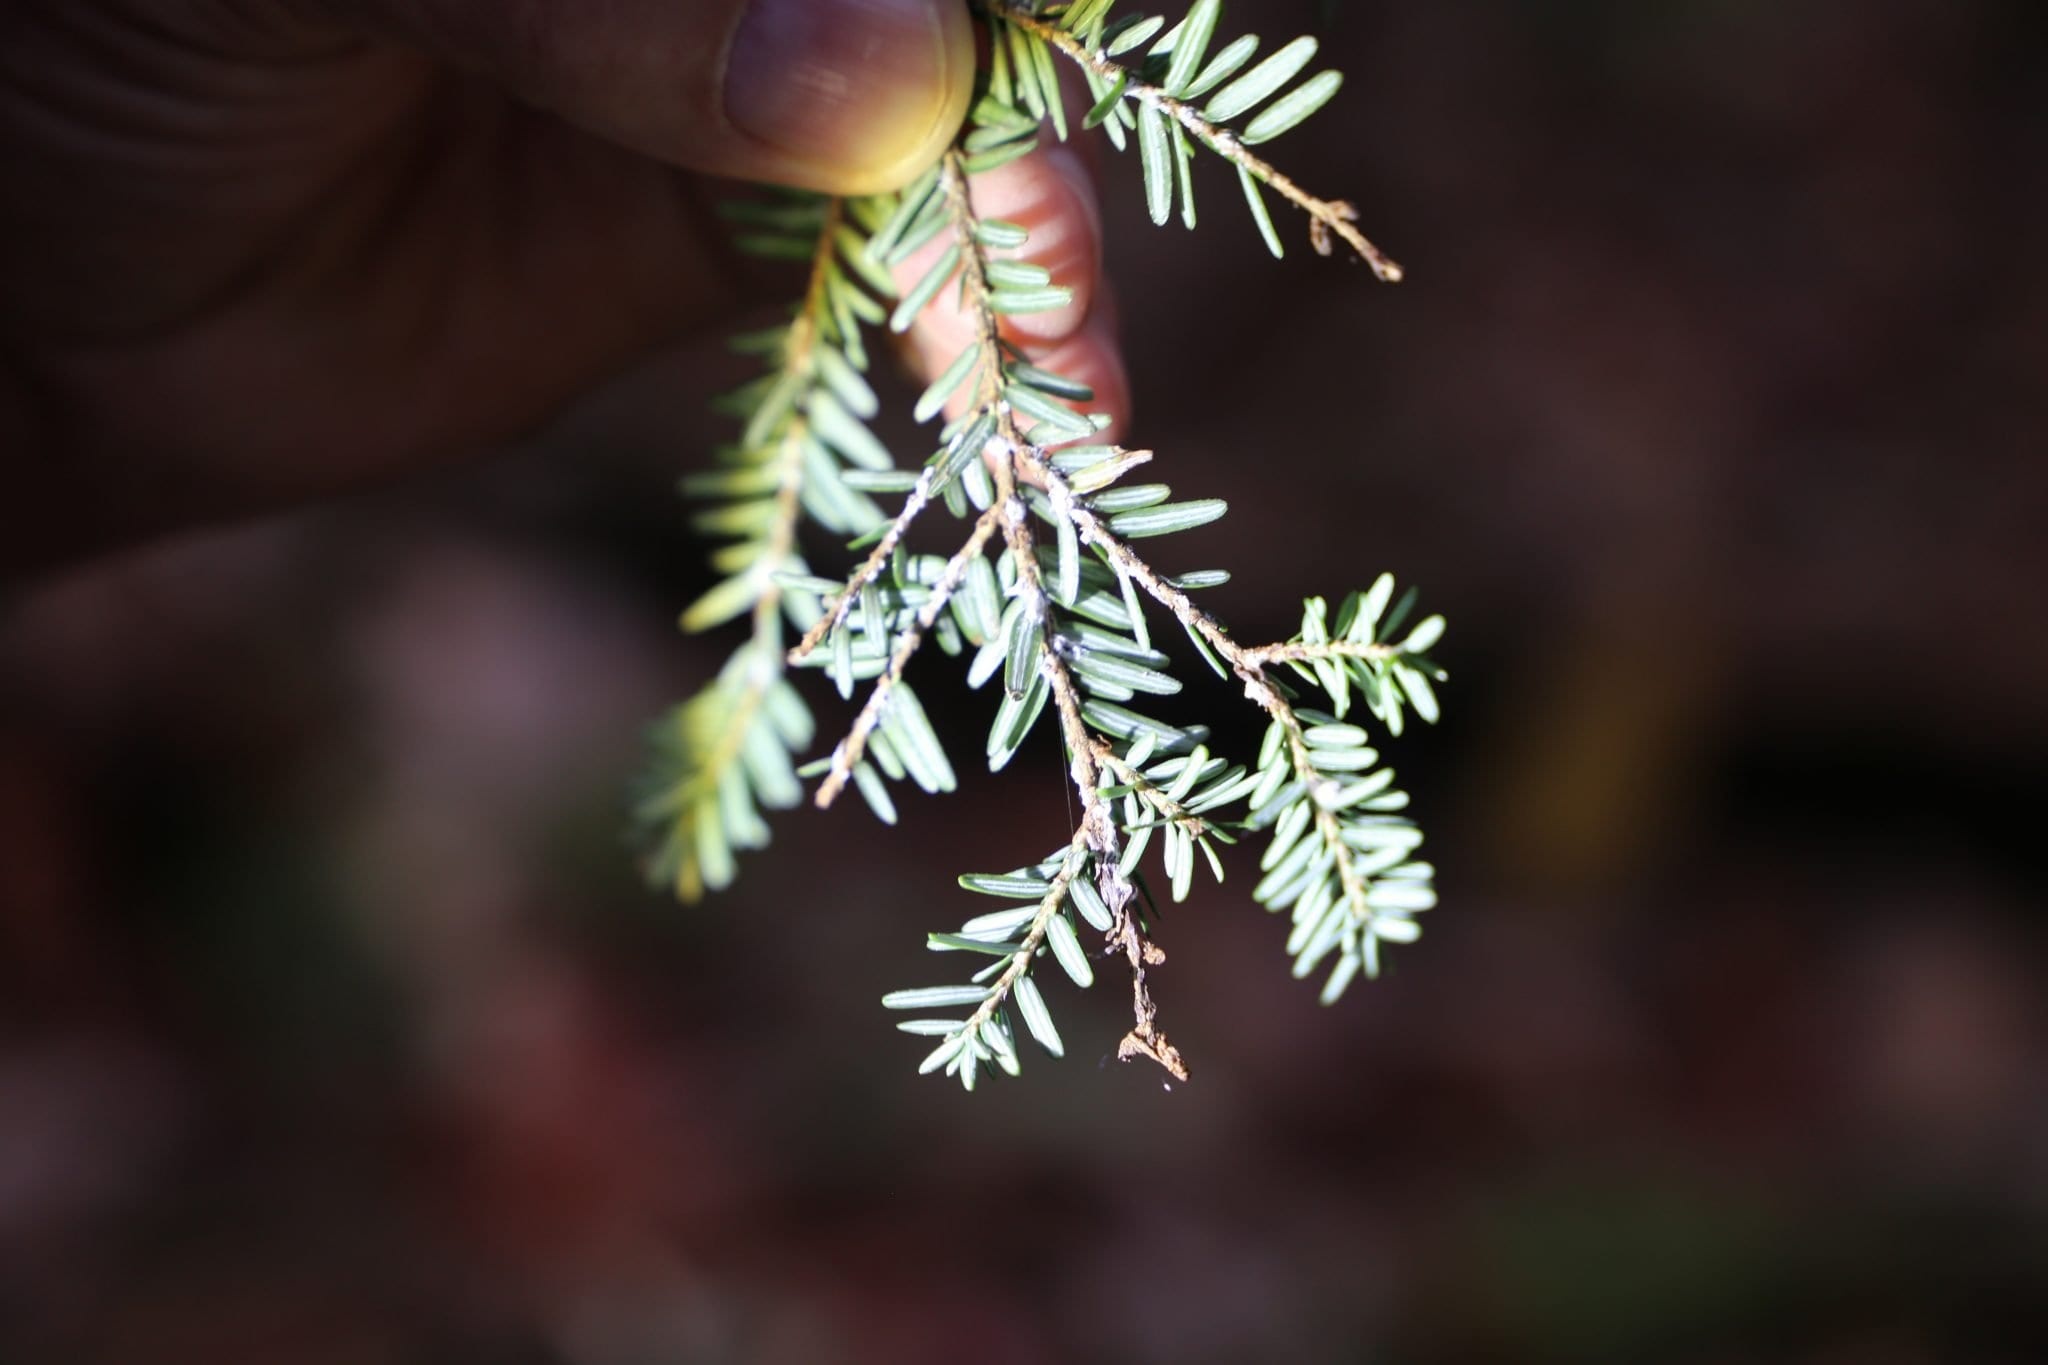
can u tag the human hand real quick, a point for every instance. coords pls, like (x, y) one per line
(254, 251)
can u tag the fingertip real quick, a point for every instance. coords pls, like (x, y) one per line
(844, 96)
(1092, 357)
(1052, 197)
(848, 96)
(921, 146)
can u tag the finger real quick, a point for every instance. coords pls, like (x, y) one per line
(847, 96)
(1092, 357)
(1048, 193)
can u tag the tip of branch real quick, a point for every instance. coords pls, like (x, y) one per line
(1157, 1048)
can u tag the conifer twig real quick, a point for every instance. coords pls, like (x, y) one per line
(1034, 934)
(764, 667)
(870, 568)
(848, 751)
(1058, 608)
(1009, 452)
(1249, 664)
(1325, 215)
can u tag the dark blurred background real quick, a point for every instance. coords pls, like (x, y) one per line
(335, 1025)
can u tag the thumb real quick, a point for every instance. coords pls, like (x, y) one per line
(846, 96)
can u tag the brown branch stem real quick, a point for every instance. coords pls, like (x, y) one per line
(1034, 935)
(868, 571)
(765, 619)
(848, 751)
(1098, 823)
(1325, 215)
(1249, 663)
(1300, 651)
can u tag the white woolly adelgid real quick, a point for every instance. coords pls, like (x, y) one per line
(1045, 590)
